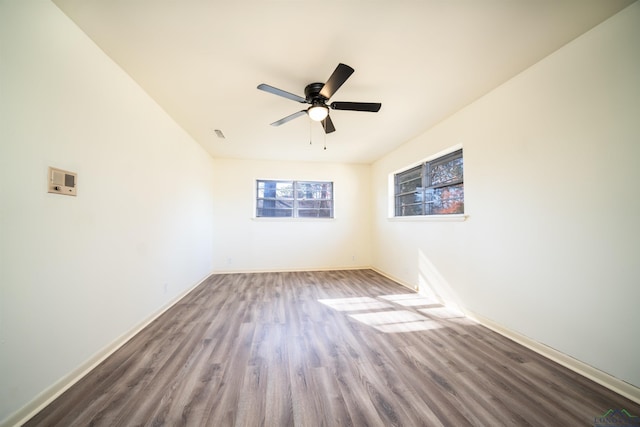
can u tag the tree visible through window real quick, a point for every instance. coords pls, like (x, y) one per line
(294, 199)
(432, 188)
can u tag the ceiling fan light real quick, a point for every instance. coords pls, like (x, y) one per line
(318, 112)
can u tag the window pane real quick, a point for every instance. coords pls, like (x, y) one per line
(409, 210)
(274, 203)
(279, 189)
(409, 199)
(314, 190)
(408, 186)
(271, 212)
(314, 204)
(445, 172)
(409, 175)
(445, 200)
(314, 213)
(409, 204)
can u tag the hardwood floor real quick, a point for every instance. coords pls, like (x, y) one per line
(337, 348)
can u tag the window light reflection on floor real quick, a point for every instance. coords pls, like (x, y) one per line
(396, 321)
(411, 300)
(354, 304)
(383, 316)
(442, 312)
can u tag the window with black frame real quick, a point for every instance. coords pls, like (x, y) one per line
(435, 187)
(294, 199)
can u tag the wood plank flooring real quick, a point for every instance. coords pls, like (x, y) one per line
(336, 348)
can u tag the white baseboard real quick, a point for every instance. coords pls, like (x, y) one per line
(54, 391)
(294, 270)
(609, 381)
(395, 279)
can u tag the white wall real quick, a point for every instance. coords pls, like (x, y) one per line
(78, 273)
(244, 243)
(552, 180)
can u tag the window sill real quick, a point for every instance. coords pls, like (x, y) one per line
(431, 218)
(289, 219)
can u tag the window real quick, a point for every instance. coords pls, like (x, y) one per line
(294, 199)
(435, 187)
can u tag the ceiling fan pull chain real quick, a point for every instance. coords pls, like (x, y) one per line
(310, 142)
(325, 142)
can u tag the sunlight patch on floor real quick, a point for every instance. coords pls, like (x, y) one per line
(396, 321)
(411, 300)
(442, 312)
(384, 314)
(354, 304)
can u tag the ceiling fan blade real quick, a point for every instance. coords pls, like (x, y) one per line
(339, 76)
(373, 107)
(327, 124)
(289, 118)
(280, 92)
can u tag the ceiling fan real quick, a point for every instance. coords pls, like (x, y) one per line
(317, 94)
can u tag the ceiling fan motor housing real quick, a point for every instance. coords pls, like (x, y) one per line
(312, 93)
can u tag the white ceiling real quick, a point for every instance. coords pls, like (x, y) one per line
(201, 60)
